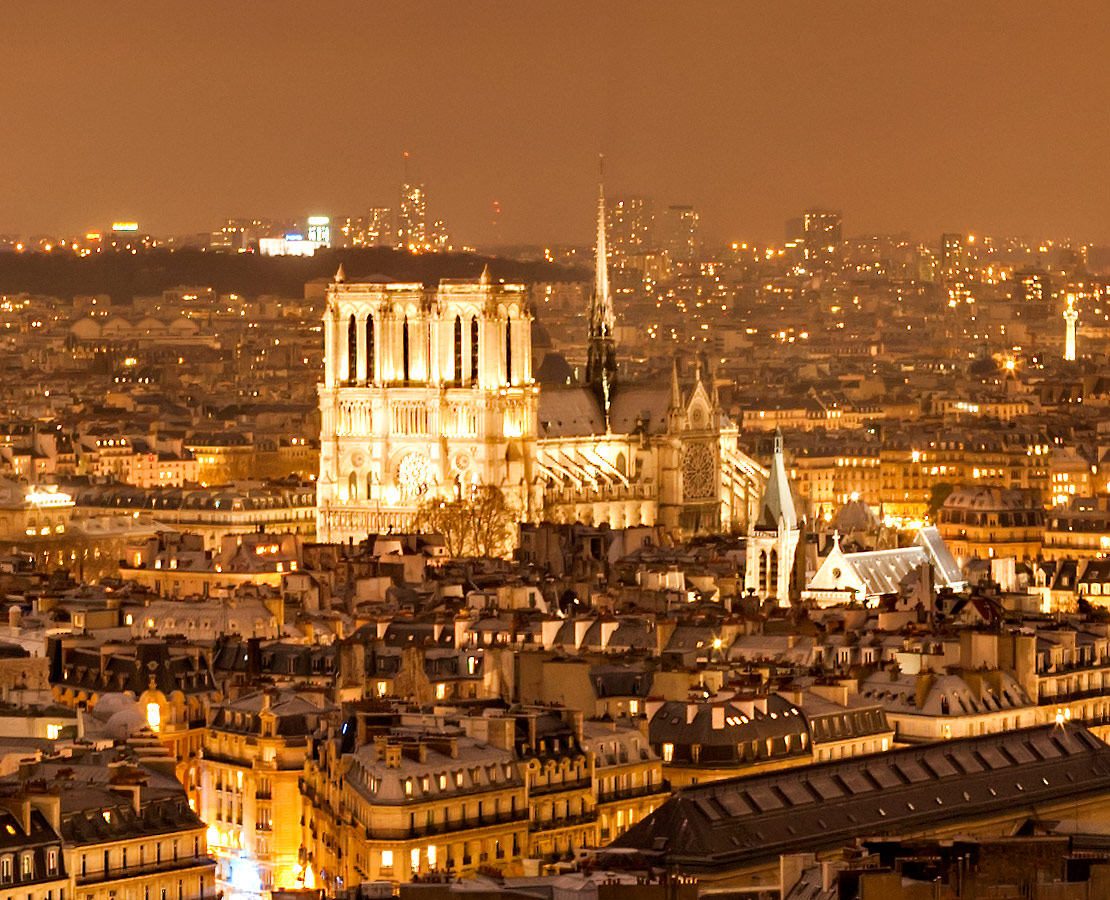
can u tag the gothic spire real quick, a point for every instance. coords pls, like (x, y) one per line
(777, 505)
(601, 356)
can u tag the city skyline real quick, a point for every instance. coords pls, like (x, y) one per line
(906, 120)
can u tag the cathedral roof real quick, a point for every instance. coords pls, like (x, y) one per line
(569, 412)
(634, 403)
(576, 411)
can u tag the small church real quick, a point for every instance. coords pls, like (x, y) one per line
(429, 391)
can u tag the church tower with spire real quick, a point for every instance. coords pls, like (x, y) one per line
(601, 353)
(774, 535)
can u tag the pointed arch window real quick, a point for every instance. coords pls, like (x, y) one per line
(352, 349)
(370, 347)
(405, 350)
(473, 351)
(508, 350)
(458, 357)
(352, 486)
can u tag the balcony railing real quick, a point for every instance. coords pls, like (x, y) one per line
(566, 822)
(116, 873)
(647, 790)
(578, 784)
(451, 827)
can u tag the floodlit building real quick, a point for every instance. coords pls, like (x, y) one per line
(425, 392)
(430, 393)
(253, 758)
(865, 576)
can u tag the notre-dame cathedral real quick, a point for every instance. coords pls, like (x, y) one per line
(428, 392)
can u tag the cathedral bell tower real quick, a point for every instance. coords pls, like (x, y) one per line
(427, 392)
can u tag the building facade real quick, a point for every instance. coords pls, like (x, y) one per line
(425, 392)
(429, 393)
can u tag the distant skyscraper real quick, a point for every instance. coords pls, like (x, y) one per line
(631, 223)
(680, 232)
(953, 255)
(412, 221)
(379, 227)
(822, 234)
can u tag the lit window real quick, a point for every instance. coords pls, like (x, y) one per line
(431, 853)
(387, 859)
(633, 707)
(154, 716)
(441, 691)
(53, 732)
(668, 752)
(414, 858)
(382, 687)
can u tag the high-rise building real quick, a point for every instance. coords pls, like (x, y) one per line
(412, 218)
(319, 230)
(680, 232)
(953, 255)
(822, 234)
(631, 222)
(379, 226)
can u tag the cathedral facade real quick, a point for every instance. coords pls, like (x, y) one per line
(425, 393)
(428, 392)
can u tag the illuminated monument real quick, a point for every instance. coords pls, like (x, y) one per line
(426, 392)
(429, 391)
(640, 453)
(1071, 315)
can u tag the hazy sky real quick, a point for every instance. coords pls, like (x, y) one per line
(924, 116)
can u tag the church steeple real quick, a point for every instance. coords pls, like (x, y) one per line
(601, 354)
(776, 509)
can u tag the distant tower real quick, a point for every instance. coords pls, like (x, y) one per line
(773, 539)
(680, 233)
(1071, 315)
(412, 215)
(822, 234)
(601, 354)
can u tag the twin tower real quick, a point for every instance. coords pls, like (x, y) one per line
(426, 392)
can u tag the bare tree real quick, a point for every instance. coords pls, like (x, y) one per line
(483, 523)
